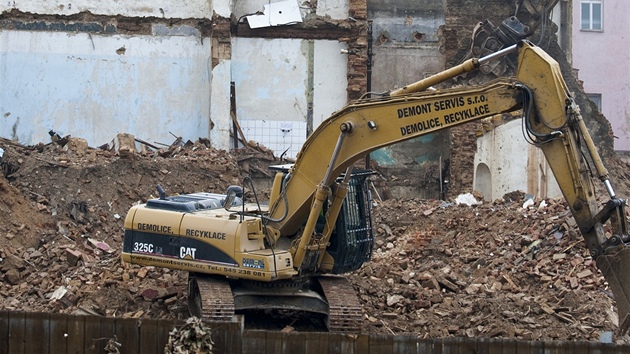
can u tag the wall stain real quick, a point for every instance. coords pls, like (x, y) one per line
(86, 22)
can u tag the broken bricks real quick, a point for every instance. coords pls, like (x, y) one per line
(425, 243)
(73, 256)
(473, 270)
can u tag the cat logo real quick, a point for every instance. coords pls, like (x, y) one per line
(187, 252)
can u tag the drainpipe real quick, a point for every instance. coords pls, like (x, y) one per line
(369, 77)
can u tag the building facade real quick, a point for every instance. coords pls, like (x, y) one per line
(601, 56)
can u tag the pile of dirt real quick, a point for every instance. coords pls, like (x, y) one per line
(490, 270)
(439, 268)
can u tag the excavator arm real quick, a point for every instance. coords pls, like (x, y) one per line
(556, 126)
(552, 120)
(528, 17)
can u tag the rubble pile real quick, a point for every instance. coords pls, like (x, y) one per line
(511, 268)
(61, 220)
(492, 270)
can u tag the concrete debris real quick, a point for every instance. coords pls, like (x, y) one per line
(100, 245)
(12, 276)
(77, 146)
(124, 144)
(58, 293)
(467, 199)
(73, 256)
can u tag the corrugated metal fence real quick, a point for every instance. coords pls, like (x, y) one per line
(22, 332)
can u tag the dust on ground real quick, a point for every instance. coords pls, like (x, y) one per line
(439, 268)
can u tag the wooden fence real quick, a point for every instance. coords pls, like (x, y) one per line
(22, 332)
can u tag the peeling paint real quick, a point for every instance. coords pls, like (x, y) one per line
(136, 8)
(384, 157)
(57, 26)
(163, 30)
(14, 129)
(276, 14)
(79, 85)
(336, 9)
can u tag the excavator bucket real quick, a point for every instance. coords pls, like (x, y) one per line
(615, 269)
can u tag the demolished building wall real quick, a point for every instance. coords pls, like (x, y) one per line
(416, 40)
(94, 69)
(406, 49)
(94, 76)
(505, 162)
(462, 16)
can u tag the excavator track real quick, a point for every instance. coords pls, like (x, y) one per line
(344, 314)
(210, 298)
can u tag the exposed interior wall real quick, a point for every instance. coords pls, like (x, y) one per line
(285, 85)
(406, 49)
(505, 162)
(94, 86)
(137, 8)
(157, 70)
(94, 69)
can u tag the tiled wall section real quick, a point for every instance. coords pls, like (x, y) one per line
(276, 135)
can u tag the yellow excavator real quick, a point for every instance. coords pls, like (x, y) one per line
(288, 253)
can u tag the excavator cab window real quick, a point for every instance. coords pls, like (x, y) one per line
(352, 240)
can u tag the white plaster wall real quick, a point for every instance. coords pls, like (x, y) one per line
(271, 79)
(136, 8)
(222, 8)
(330, 81)
(336, 9)
(603, 61)
(77, 84)
(220, 106)
(514, 164)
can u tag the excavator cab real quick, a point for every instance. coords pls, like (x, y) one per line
(352, 240)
